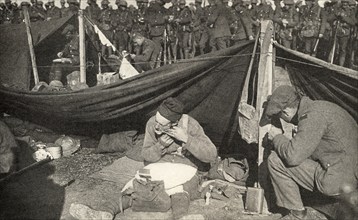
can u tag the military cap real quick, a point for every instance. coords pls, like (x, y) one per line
(288, 2)
(182, 2)
(62, 1)
(40, 2)
(139, 1)
(7, 1)
(198, 1)
(136, 35)
(282, 97)
(145, 1)
(105, 2)
(71, 1)
(171, 109)
(51, 1)
(253, 1)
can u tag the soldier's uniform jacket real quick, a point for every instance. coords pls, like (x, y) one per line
(263, 12)
(148, 53)
(139, 23)
(93, 11)
(327, 134)
(292, 16)
(218, 22)
(122, 20)
(313, 21)
(330, 15)
(242, 26)
(347, 20)
(156, 17)
(198, 150)
(199, 21)
(7, 15)
(185, 20)
(53, 13)
(37, 13)
(105, 19)
(71, 50)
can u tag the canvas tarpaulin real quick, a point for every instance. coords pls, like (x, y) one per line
(321, 80)
(15, 68)
(209, 85)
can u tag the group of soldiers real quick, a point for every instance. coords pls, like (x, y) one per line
(185, 31)
(12, 13)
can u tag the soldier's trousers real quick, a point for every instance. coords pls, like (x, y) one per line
(201, 38)
(309, 44)
(342, 42)
(286, 180)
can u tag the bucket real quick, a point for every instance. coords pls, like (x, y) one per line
(55, 150)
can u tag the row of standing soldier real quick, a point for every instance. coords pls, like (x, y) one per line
(186, 31)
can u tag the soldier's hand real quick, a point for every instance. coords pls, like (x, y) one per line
(165, 140)
(132, 56)
(320, 35)
(273, 132)
(60, 54)
(178, 133)
(251, 37)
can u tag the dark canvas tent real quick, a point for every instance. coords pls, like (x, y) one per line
(210, 86)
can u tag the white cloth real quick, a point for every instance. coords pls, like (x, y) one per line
(104, 40)
(174, 175)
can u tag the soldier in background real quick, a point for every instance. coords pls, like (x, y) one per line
(73, 7)
(345, 21)
(262, 12)
(242, 27)
(17, 13)
(92, 10)
(106, 27)
(7, 12)
(68, 58)
(53, 11)
(37, 12)
(157, 18)
(218, 22)
(121, 21)
(146, 58)
(63, 8)
(313, 24)
(287, 19)
(200, 30)
(326, 42)
(139, 22)
(184, 29)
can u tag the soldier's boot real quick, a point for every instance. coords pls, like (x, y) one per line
(181, 54)
(186, 54)
(180, 204)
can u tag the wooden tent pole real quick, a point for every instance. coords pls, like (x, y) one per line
(31, 46)
(81, 33)
(264, 88)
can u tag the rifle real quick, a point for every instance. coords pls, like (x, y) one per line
(353, 41)
(159, 59)
(314, 52)
(165, 47)
(333, 50)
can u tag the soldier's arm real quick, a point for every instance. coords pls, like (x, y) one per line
(350, 19)
(311, 129)
(146, 54)
(246, 21)
(199, 145)
(295, 20)
(151, 151)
